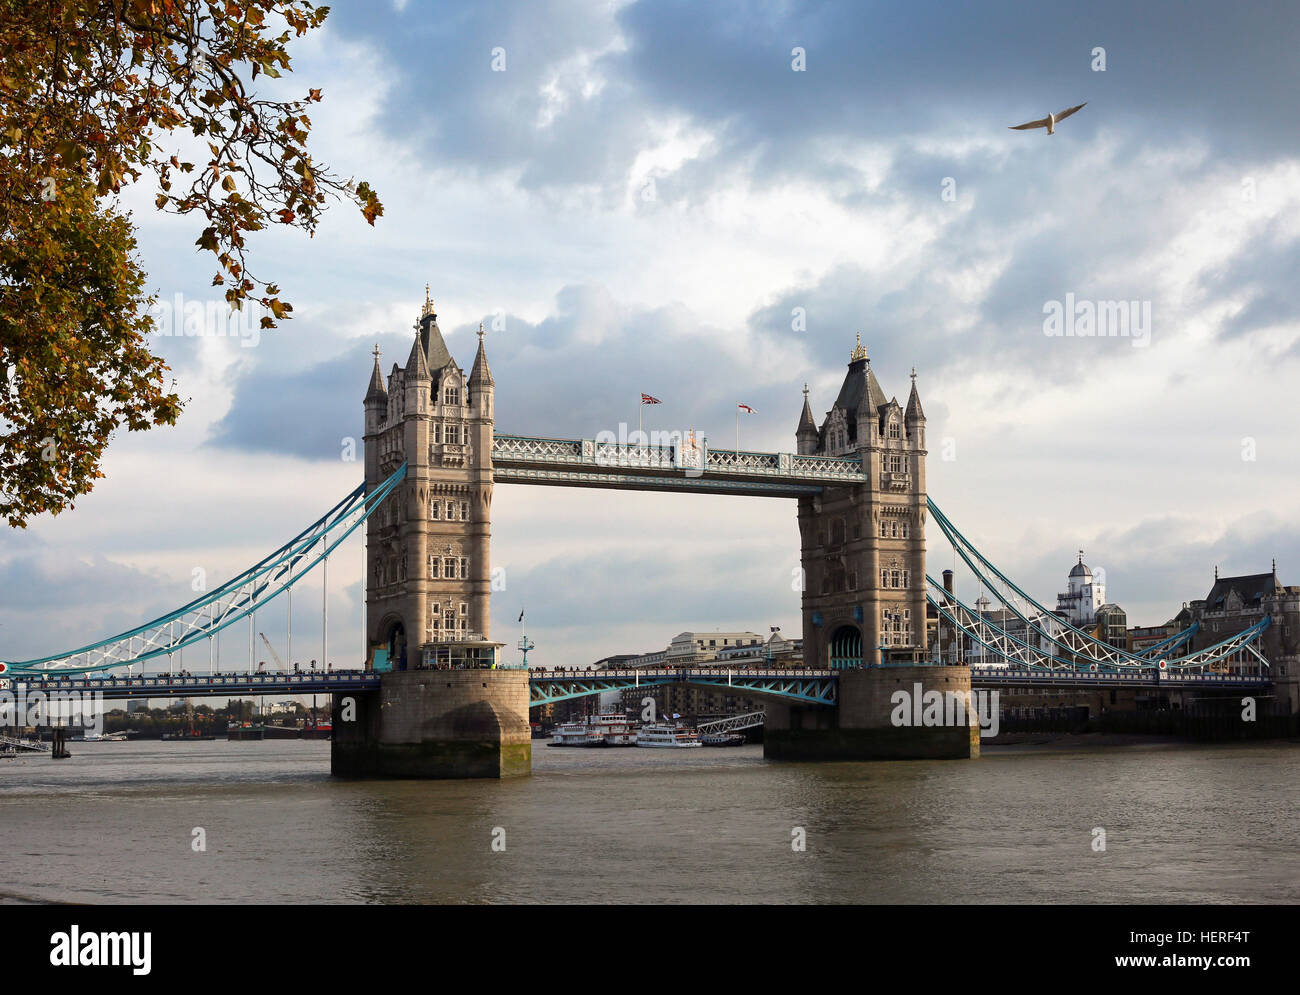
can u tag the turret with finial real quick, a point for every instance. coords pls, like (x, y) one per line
(859, 352)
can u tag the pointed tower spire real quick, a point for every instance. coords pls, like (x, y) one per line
(806, 435)
(417, 365)
(435, 349)
(377, 388)
(806, 422)
(914, 412)
(480, 374)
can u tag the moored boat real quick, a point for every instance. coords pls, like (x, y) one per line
(722, 739)
(666, 735)
(605, 729)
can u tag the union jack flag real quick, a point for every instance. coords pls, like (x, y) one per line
(746, 407)
(647, 399)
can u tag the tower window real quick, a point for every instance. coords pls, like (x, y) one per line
(435, 510)
(433, 571)
(894, 431)
(451, 511)
(437, 433)
(464, 511)
(449, 567)
(451, 395)
(464, 568)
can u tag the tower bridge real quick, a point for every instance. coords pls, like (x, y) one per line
(432, 699)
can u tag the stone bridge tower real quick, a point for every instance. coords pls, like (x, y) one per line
(444, 708)
(863, 547)
(863, 555)
(428, 562)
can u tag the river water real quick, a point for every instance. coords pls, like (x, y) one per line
(1184, 824)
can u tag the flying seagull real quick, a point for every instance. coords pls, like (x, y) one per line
(1048, 122)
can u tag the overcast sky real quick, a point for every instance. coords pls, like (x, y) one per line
(642, 199)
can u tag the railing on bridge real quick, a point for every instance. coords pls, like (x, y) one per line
(587, 461)
(986, 674)
(197, 685)
(734, 723)
(14, 744)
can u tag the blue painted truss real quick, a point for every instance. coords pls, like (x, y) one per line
(816, 687)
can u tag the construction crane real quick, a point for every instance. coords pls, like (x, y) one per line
(278, 661)
(286, 670)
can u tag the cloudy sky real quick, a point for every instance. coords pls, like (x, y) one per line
(641, 196)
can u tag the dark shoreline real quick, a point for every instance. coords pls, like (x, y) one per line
(1021, 742)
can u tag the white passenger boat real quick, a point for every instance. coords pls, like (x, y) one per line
(573, 734)
(665, 735)
(605, 729)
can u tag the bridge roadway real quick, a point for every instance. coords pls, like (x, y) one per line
(810, 686)
(545, 686)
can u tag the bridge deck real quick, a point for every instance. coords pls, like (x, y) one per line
(806, 684)
(196, 686)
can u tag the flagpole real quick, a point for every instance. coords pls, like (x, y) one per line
(737, 428)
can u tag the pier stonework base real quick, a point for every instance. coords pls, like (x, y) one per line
(861, 728)
(436, 724)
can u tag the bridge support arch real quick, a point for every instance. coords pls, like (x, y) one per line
(437, 724)
(881, 715)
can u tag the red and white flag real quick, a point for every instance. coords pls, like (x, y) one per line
(647, 399)
(746, 407)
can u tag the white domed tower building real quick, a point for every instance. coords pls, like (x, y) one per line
(1085, 595)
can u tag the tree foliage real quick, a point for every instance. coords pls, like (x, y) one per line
(95, 96)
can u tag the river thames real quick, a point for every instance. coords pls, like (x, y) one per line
(1183, 824)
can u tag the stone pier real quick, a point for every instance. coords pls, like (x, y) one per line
(862, 727)
(436, 724)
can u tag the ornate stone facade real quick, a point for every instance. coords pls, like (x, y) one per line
(863, 547)
(428, 562)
